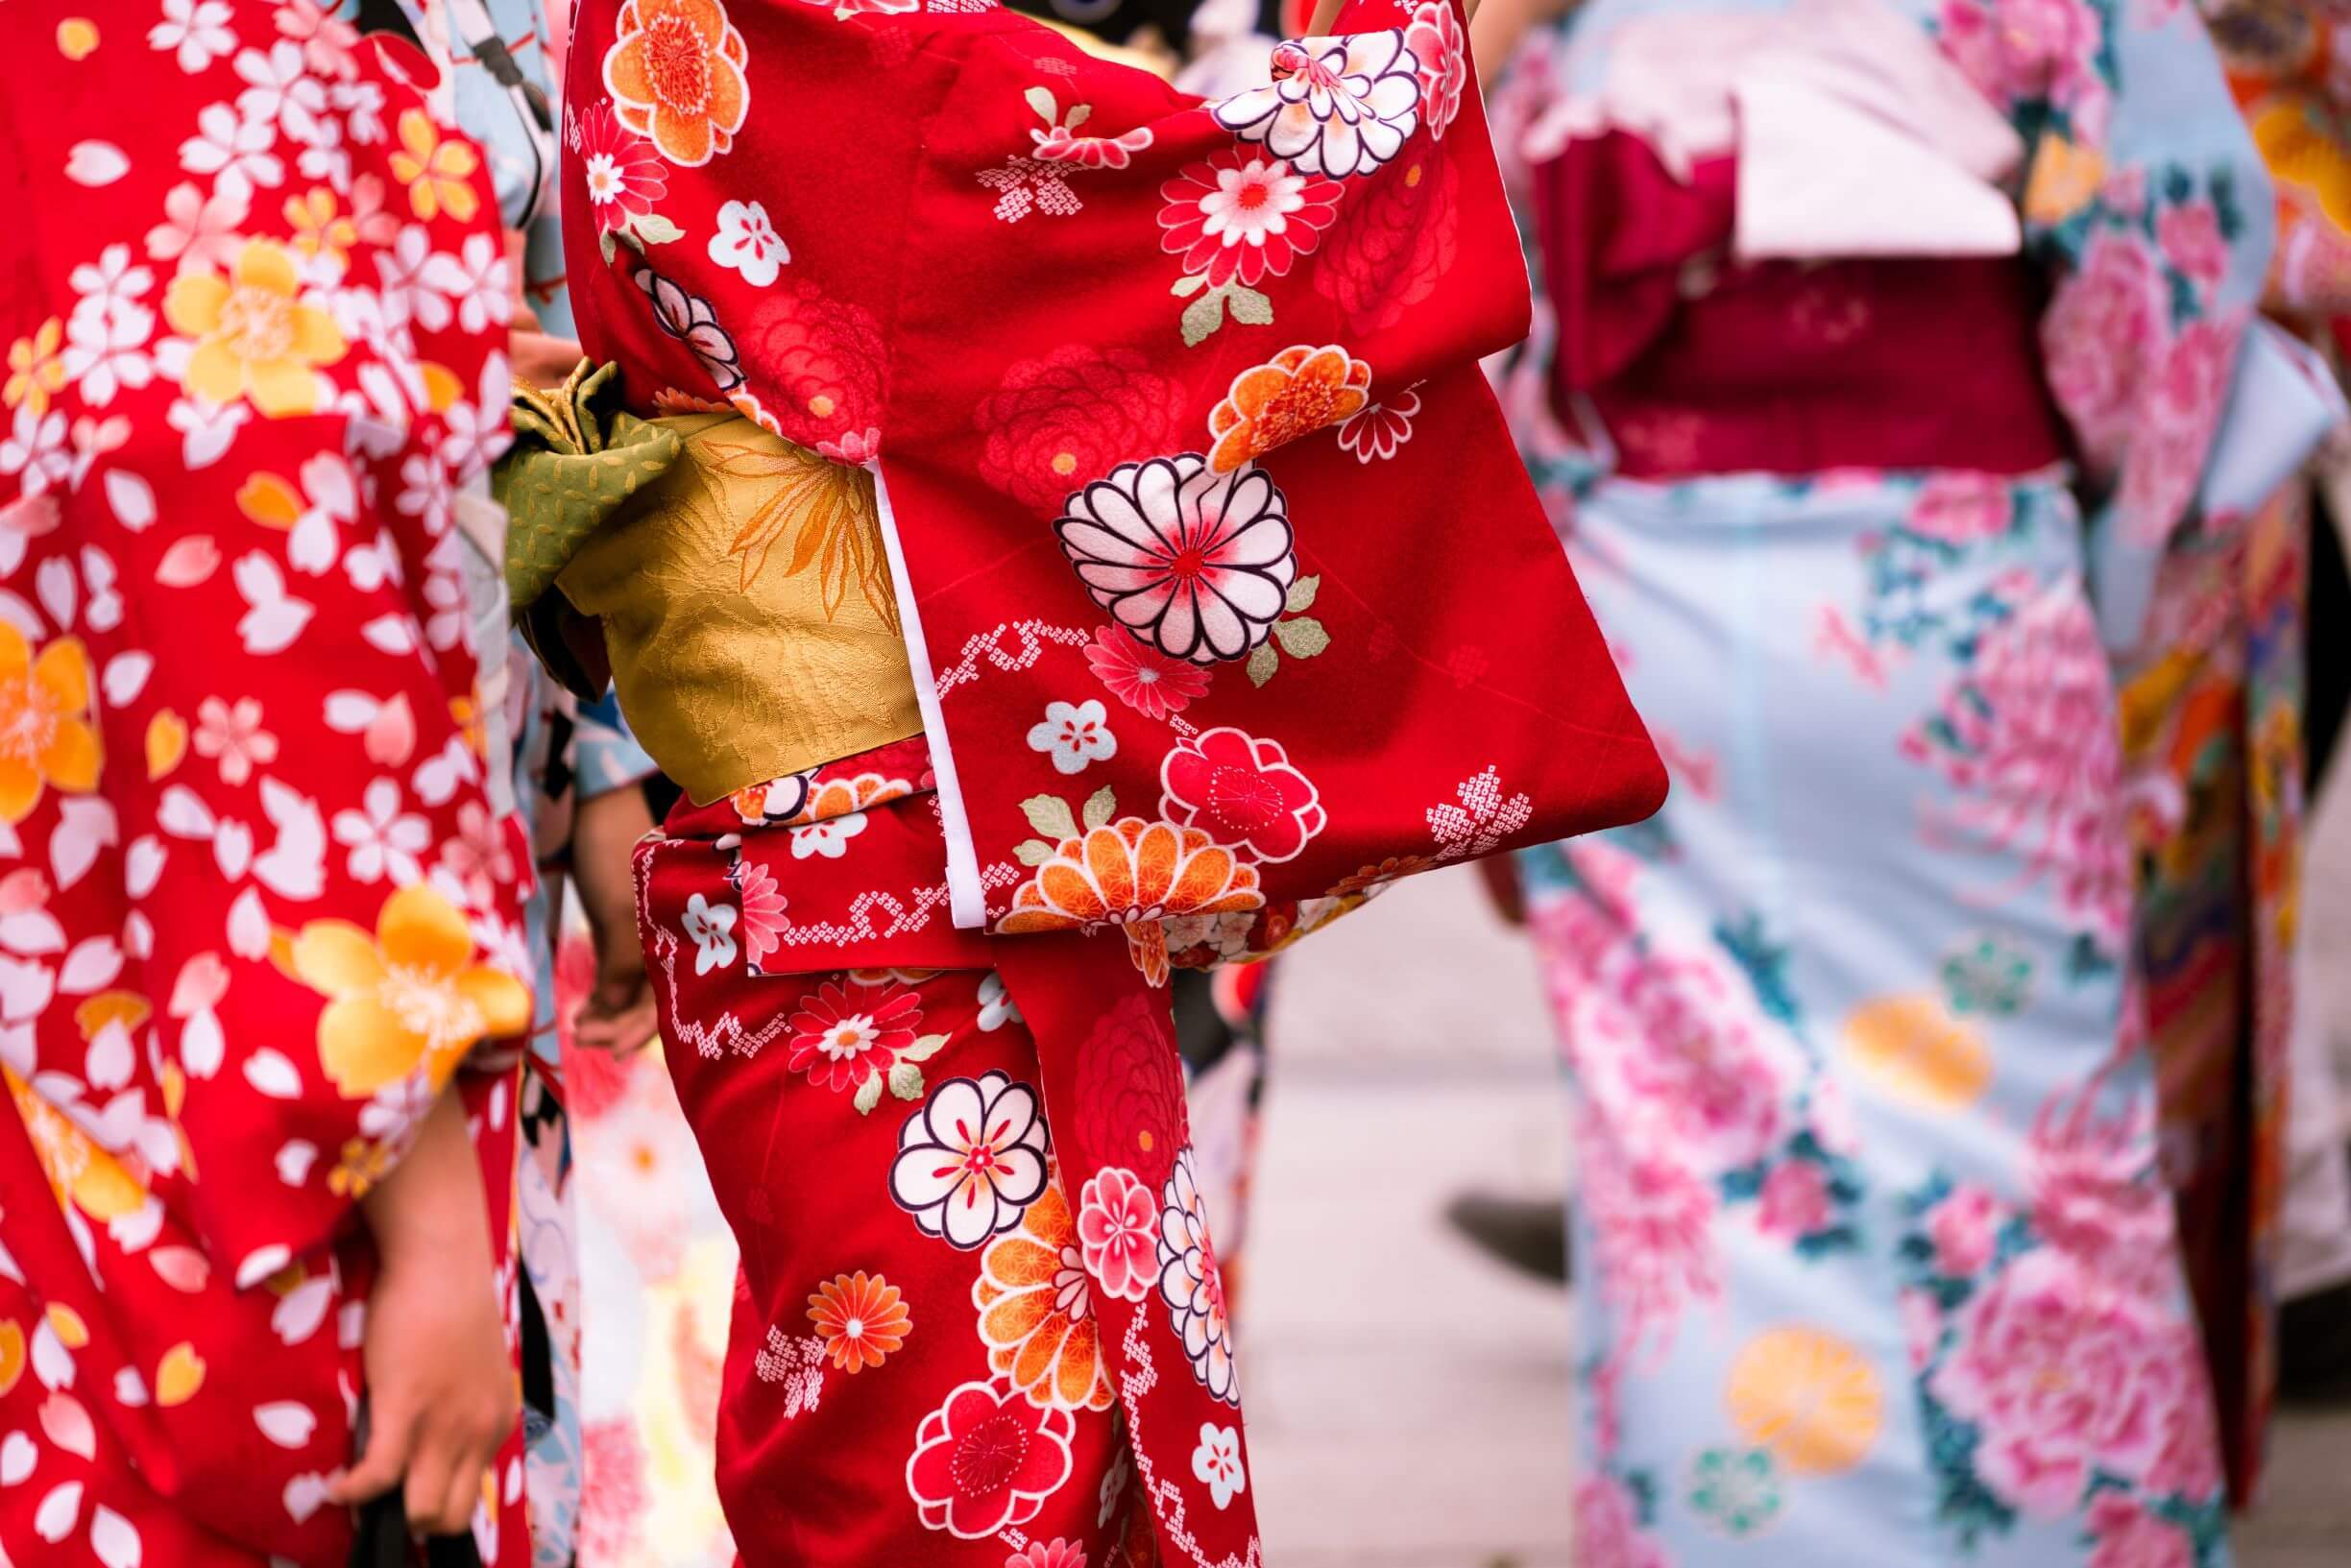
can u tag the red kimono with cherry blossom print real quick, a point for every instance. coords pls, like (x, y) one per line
(255, 909)
(1225, 599)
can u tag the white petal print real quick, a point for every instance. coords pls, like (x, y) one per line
(69, 1425)
(95, 163)
(271, 1073)
(54, 1520)
(285, 1423)
(18, 1453)
(132, 497)
(126, 677)
(113, 1538)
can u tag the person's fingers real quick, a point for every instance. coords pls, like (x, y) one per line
(391, 1436)
(464, 1494)
(428, 1491)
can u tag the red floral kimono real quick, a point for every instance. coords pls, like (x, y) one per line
(255, 907)
(1225, 600)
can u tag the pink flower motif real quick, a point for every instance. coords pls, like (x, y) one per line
(2068, 1377)
(1242, 792)
(2015, 50)
(853, 447)
(2104, 332)
(1434, 35)
(623, 174)
(1141, 676)
(2160, 472)
(1961, 508)
(2028, 737)
(840, 1038)
(1242, 216)
(1383, 427)
(1795, 1200)
(2124, 193)
(1118, 1229)
(2189, 234)
(1057, 145)
(615, 1499)
(1965, 1228)
(1053, 1554)
(763, 904)
(987, 1458)
(1683, 1058)
(1608, 1530)
(1650, 1215)
(479, 855)
(1922, 1322)
(233, 733)
(2097, 1195)
(2128, 1537)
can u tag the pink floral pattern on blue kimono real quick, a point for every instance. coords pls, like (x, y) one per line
(1875, 1260)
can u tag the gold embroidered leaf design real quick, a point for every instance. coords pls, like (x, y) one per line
(826, 513)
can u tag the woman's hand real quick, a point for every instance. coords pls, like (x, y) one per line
(439, 1385)
(617, 1015)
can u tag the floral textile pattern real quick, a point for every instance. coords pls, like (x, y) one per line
(258, 914)
(1336, 106)
(676, 73)
(1242, 217)
(1191, 1284)
(1198, 563)
(1296, 393)
(971, 1160)
(1243, 791)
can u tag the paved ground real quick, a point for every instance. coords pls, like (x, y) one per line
(1408, 1400)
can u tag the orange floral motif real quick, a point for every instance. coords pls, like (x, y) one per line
(1390, 870)
(1299, 390)
(438, 170)
(408, 996)
(44, 739)
(861, 1318)
(1036, 1313)
(81, 1174)
(839, 797)
(676, 71)
(1135, 873)
(36, 368)
(319, 227)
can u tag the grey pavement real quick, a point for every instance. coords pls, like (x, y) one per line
(1408, 1398)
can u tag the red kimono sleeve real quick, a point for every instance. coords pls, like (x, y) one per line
(1222, 583)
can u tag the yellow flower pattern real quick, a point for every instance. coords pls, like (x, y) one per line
(408, 996)
(256, 339)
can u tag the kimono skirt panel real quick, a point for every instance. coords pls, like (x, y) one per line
(973, 1242)
(1866, 1125)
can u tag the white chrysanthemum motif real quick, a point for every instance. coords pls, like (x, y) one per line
(1196, 564)
(1336, 107)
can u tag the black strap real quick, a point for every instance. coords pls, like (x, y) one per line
(388, 16)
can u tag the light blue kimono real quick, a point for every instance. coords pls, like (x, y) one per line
(1874, 1262)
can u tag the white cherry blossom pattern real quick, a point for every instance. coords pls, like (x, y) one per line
(1196, 564)
(1073, 734)
(711, 929)
(1336, 106)
(972, 1160)
(1217, 1464)
(747, 242)
(827, 838)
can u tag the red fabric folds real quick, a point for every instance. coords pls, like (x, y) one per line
(1698, 364)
